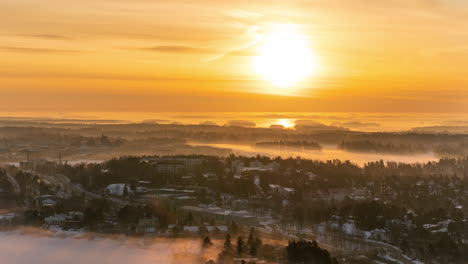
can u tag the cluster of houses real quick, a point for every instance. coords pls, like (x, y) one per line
(7, 219)
(216, 215)
(239, 168)
(70, 220)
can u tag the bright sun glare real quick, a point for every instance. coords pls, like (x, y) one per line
(284, 57)
(287, 123)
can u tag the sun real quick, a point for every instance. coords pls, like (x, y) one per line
(284, 56)
(287, 123)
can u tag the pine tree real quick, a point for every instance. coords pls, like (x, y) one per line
(125, 191)
(255, 246)
(207, 242)
(240, 246)
(188, 219)
(250, 240)
(227, 242)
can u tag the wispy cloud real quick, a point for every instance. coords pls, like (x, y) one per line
(178, 49)
(48, 36)
(35, 50)
(252, 31)
(356, 124)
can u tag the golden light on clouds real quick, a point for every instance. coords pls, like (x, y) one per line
(284, 56)
(174, 55)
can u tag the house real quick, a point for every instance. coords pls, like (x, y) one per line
(379, 234)
(118, 189)
(7, 219)
(55, 220)
(238, 167)
(147, 226)
(217, 229)
(279, 190)
(49, 202)
(191, 229)
(71, 220)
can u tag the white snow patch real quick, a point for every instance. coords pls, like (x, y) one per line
(118, 189)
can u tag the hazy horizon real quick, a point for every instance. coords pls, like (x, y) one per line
(357, 121)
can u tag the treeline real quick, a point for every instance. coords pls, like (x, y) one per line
(290, 143)
(372, 146)
(218, 134)
(306, 252)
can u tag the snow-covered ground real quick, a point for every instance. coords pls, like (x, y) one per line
(118, 189)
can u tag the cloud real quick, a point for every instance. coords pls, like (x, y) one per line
(35, 50)
(11, 119)
(208, 123)
(287, 116)
(156, 121)
(240, 53)
(193, 116)
(277, 126)
(241, 123)
(456, 122)
(441, 129)
(308, 123)
(355, 124)
(178, 49)
(316, 126)
(48, 36)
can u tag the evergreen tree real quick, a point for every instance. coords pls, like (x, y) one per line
(299, 252)
(207, 242)
(227, 242)
(188, 219)
(250, 240)
(254, 247)
(125, 191)
(240, 246)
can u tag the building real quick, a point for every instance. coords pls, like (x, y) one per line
(147, 226)
(71, 220)
(7, 219)
(239, 169)
(279, 190)
(55, 220)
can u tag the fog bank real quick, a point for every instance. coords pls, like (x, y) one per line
(42, 247)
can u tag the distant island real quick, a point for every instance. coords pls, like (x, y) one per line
(290, 143)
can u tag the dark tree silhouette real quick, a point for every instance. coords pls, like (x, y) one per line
(240, 246)
(207, 242)
(227, 242)
(306, 252)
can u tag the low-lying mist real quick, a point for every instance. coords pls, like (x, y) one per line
(328, 152)
(29, 245)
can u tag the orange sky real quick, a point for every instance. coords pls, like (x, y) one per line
(186, 55)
